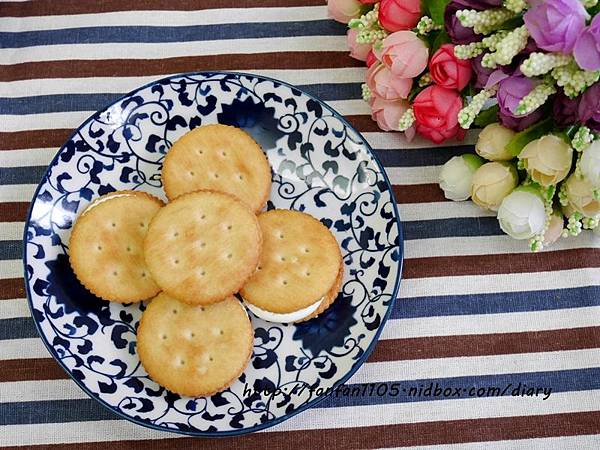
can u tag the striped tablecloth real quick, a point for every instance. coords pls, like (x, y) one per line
(476, 309)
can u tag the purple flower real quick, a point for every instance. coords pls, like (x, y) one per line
(587, 47)
(481, 73)
(511, 91)
(458, 34)
(479, 4)
(589, 107)
(564, 109)
(556, 24)
(520, 123)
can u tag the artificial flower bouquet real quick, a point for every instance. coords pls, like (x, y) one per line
(527, 72)
(414, 81)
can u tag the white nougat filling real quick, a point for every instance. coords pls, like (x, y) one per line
(102, 200)
(293, 316)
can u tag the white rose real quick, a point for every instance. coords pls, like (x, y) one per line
(580, 194)
(492, 141)
(547, 159)
(492, 182)
(522, 214)
(456, 176)
(590, 164)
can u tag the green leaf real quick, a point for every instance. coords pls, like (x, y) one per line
(415, 91)
(594, 9)
(425, 8)
(522, 138)
(468, 91)
(512, 23)
(571, 131)
(487, 116)
(441, 38)
(436, 10)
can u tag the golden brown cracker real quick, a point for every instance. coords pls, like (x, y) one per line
(194, 350)
(221, 158)
(203, 246)
(300, 262)
(330, 297)
(106, 246)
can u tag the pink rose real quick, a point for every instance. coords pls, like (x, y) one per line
(436, 113)
(387, 113)
(405, 54)
(357, 51)
(386, 85)
(344, 10)
(449, 71)
(371, 58)
(396, 15)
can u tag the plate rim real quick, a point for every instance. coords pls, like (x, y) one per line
(310, 404)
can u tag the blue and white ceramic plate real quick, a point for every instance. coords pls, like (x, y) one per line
(321, 165)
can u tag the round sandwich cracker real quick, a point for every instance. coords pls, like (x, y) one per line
(220, 158)
(300, 268)
(194, 350)
(203, 246)
(106, 246)
(330, 297)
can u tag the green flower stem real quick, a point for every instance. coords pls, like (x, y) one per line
(511, 45)
(563, 198)
(425, 79)
(469, 51)
(515, 6)
(427, 25)
(467, 115)
(574, 225)
(573, 80)
(366, 92)
(582, 139)
(407, 120)
(536, 98)
(483, 22)
(542, 63)
(369, 30)
(590, 223)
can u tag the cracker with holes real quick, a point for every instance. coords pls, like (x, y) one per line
(194, 350)
(106, 246)
(221, 158)
(300, 270)
(203, 246)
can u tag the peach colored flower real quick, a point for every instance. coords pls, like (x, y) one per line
(547, 159)
(344, 10)
(404, 54)
(555, 227)
(386, 85)
(492, 141)
(580, 194)
(387, 113)
(492, 182)
(357, 51)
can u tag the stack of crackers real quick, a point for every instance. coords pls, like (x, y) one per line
(192, 255)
